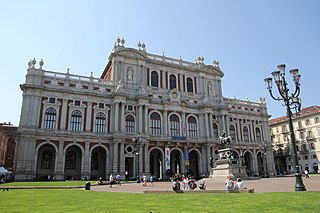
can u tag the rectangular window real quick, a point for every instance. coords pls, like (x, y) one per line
(77, 103)
(101, 105)
(52, 100)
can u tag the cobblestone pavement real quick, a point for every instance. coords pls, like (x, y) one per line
(272, 184)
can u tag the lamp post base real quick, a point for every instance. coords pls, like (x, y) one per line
(299, 183)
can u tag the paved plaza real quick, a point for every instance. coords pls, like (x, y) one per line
(272, 184)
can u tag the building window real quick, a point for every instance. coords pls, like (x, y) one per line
(130, 124)
(307, 122)
(299, 124)
(305, 157)
(232, 131)
(189, 85)
(174, 125)
(76, 118)
(314, 156)
(101, 122)
(258, 135)
(192, 127)
(154, 79)
(101, 105)
(309, 134)
(77, 103)
(316, 120)
(71, 160)
(52, 100)
(155, 124)
(284, 128)
(215, 130)
(301, 135)
(50, 118)
(173, 82)
(312, 146)
(94, 161)
(46, 160)
(245, 134)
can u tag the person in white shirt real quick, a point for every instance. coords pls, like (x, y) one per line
(238, 185)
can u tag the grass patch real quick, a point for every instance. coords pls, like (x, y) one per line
(79, 200)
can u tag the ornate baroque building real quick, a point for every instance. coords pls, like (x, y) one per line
(146, 114)
(306, 126)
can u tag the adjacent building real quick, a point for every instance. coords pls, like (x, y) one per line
(8, 135)
(146, 114)
(306, 126)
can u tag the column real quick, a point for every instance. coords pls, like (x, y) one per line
(165, 122)
(146, 158)
(85, 172)
(146, 119)
(122, 119)
(210, 125)
(122, 161)
(63, 114)
(208, 159)
(88, 120)
(223, 123)
(206, 125)
(183, 120)
(204, 168)
(59, 166)
(140, 119)
(116, 117)
(115, 157)
(227, 124)
(202, 127)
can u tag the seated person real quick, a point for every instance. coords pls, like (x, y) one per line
(202, 184)
(239, 185)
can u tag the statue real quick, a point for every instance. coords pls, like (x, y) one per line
(119, 86)
(130, 74)
(224, 140)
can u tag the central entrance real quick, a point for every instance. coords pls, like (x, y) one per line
(129, 168)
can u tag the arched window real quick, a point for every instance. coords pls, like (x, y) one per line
(130, 124)
(232, 131)
(316, 120)
(307, 122)
(76, 118)
(192, 127)
(174, 125)
(71, 160)
(94, 161)
(50, 118)
(189, 85)
(258, 134)
(155, 124)
(245, 133)
(101, 122)
(173, 82)
(154, 79)
(46, 160)
(215, 130)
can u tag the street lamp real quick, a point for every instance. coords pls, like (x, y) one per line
(264, 150)
(138, 143)
(291, 101)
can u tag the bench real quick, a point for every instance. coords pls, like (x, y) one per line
(39, 187)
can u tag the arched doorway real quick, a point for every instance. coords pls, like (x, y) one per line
(156, 164)
(72, 163)
(175, 161)
(248, 163)
(46, 163)
(98, 163)
(194, 164)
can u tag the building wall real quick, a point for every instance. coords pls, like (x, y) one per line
(8, 134)
(76, 126)
(307, 134)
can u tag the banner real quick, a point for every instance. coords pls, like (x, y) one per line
(186, 157)
(167, 157)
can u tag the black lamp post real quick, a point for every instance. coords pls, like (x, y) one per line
(290, 101)
(138, 143)
(264, 150)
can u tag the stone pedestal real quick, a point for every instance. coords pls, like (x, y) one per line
(225, 167)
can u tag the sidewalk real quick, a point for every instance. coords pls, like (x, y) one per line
(273, 184)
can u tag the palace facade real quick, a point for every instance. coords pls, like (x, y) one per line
(146, 114)
(306, 125)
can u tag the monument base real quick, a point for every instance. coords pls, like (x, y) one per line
(224, 169)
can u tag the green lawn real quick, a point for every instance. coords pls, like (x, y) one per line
(80, 200)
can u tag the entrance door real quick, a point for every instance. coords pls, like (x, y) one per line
(129, 168)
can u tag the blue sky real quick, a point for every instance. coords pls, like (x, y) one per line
(249, 38)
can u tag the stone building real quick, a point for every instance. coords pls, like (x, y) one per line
(147, 114)
(8, 135)
(306, 126)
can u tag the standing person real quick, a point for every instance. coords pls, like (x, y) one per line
(238, 185)
(118, 180)
(306, 173)
(229, 184)
(110, 180)
(185, 182)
